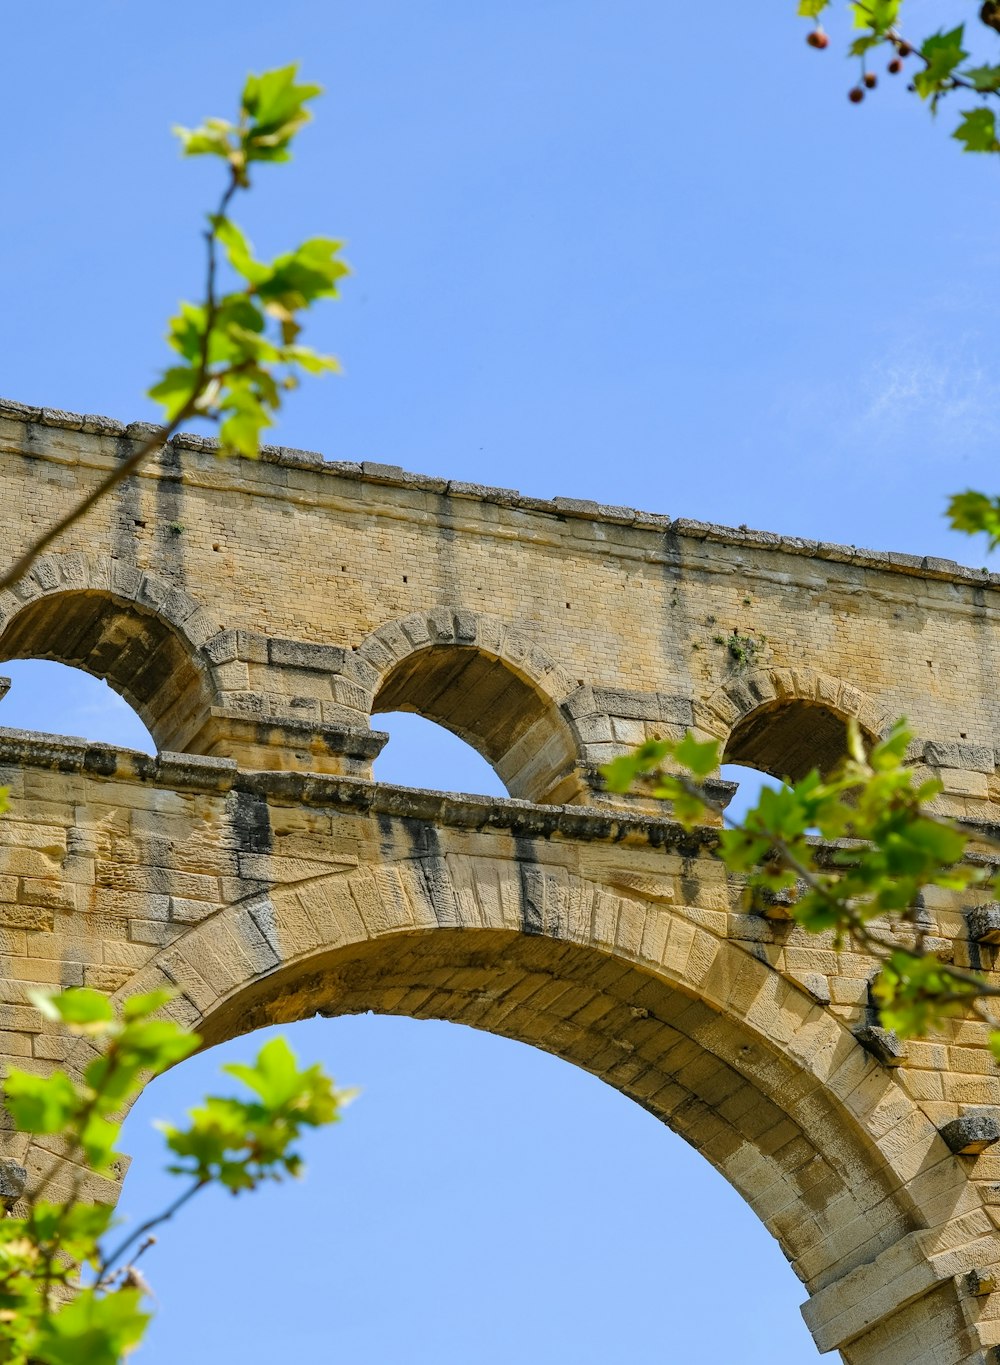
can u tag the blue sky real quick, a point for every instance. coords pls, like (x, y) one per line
(642, 253)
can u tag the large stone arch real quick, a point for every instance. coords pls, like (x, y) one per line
(875, 1214)
(785, 721)
(488, 683)
(137, 632)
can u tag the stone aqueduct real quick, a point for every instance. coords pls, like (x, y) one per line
(258, 615)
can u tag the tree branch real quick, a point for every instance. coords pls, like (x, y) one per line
(163, 434)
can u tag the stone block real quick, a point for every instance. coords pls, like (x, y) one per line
(302, 654)
(984, 923)
(972, 1132)
(13, 1182)
(882, 1043)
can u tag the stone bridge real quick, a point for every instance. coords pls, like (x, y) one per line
(258, 615)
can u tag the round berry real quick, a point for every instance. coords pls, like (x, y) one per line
(856, 95)
(895, 67)
(818, 38)
(904, 49)
(871, 80)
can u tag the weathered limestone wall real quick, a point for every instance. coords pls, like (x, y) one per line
(258, 614)
(308, 593)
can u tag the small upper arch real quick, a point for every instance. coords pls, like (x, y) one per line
(141, 634)
(488, 683)
(785, 722)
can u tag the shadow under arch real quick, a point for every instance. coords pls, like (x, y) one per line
(488, 685)
(132, 647)
(787, 739)
(786, 722)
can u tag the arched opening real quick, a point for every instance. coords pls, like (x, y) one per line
(498, 710)
(749, 784)
(774, 1090)
(787, 739)
(134, 650)
(55, 699)
(421, 753)
(480, 1204)
(724, 1086)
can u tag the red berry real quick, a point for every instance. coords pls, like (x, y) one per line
(856, 95)
(818, 38)
(870, 79)
(895, 66)
(904, 49)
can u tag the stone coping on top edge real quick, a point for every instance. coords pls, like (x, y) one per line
(921, 566)
(173, 772)
(21, 749)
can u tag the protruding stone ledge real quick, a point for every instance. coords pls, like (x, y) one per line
(193, 770)
(984, 923)
(196, 772)
(882, 1043)
(980, 1282)
(70, 754)
(972, 1132)
(13, 1180)
(285, 743)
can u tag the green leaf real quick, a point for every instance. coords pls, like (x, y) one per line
(942, 53)
(187, 329)
(977, 131)
(939, 841)
(310, 361)
(40, 1104)
(240, 432)
(973, 512)
(622, 772)
(301, 276)
(862, 45)
(273, 97)
(891, 751)
(701, 758)
(92, 1329)
(142, 1006)
(175, 390)
(77, 1227)
(812, 9)
(81, 1009)
(878, 15)
(274, 1077)
(211, 139)
(238, 251)
(97, 1138)
(985, 78)
(274, 105)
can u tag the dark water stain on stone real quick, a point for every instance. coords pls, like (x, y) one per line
(532, 884)
(127, 520)
(170, 530)
(425, 846)
(250, 822)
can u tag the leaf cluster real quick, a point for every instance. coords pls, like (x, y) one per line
(239, 349)
(974, 512)
(239, 1143)
(941, 63)
(879, 849)
(65, 1299)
